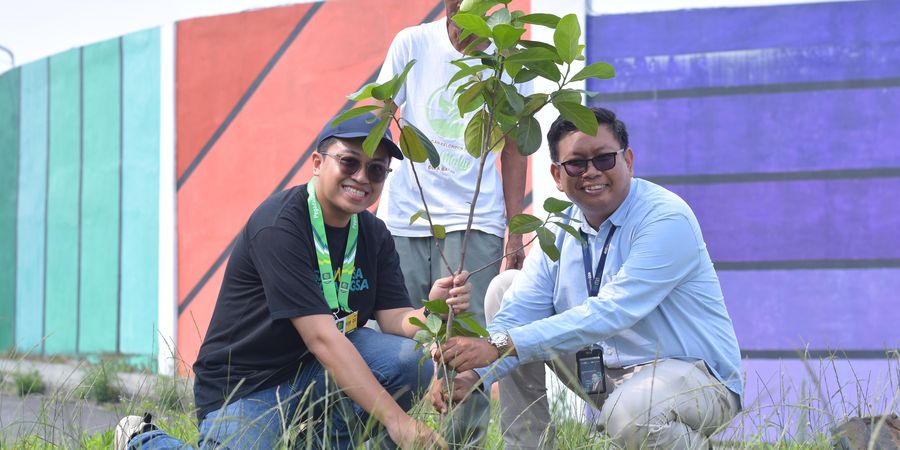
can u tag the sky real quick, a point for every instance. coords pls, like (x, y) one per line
(34, 29)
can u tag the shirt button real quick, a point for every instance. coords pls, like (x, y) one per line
(609, 351)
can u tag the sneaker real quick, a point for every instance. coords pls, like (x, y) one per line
(131, 426)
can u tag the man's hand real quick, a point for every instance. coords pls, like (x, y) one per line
(515, 253)
(455, 289)
(465, 353)
(413, 435)
(463, 385)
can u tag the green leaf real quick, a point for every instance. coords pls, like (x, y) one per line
(460, 330)
(546, 69)
(499, 17)
(475, 132)
(515, 99)
(439, 231)
(535, 103)
(466, 72)
(566, 36)
(555, 205)
(532, 44)
(375, 136)
(571, 230)
(601, 70)
(434, 158)
(355, 112)
(567, 95)
(411, 145)
(531, 55)
(437, 306)
(363, 93)
(473, 325)
(548, 243)
(418, 323)
(390, 88)
(506, 36)
(512, 69)
(479, 7)
(581, 116)
(472, 23)
(524, 223)
(420, 214)
(423, 337)
(525, 75)
(547, 20)
(528, 135)
(434, 324)
(471, 99)
(561, 215)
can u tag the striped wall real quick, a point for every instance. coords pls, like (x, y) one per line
(253, 90)
(80, 146)
(779, 126)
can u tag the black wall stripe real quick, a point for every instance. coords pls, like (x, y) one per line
(808, 264)
(753, 89)
(432, 15)
(755, 177)
(249, 93)
(805, 354)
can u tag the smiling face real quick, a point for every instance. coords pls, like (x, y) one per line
(341, 195)
(597, 193)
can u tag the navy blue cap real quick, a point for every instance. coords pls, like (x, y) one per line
(357, 127)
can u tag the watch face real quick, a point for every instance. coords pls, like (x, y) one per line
(498, 339)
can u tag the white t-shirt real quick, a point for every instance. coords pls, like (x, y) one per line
(425, 102)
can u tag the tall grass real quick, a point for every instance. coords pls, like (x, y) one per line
(783, 411)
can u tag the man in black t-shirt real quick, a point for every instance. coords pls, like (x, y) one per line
(309, 269)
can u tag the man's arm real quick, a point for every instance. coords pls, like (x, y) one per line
(342, 361)
(396, 321)
(514, 171)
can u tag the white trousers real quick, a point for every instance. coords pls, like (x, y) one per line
(666, 403)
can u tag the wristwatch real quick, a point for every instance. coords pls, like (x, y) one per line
(501, 341)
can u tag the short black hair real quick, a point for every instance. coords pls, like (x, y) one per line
(562, 127)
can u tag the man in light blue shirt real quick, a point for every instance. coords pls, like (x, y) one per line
(642, 293)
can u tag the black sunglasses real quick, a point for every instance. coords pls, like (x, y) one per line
(376, 171)
(603, 161)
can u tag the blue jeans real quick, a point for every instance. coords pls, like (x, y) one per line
(260, 419)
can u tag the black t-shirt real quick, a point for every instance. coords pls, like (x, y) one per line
(271, 277)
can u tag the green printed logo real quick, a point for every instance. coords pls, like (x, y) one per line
(442, 114)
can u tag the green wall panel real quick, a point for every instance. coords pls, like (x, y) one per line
(9, 164)
(32, 207)
(140, 192)
(100, 198)
(63, 189)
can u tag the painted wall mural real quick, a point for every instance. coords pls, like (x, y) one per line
(80, 152)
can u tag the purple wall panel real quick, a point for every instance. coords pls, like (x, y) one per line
(847, 64)
(826, 130)
(712, 30)
(821, 309)
(798, 220)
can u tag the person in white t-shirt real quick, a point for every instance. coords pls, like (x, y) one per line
(427, 102)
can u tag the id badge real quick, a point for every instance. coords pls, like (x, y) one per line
(591, 371)
(347, 323)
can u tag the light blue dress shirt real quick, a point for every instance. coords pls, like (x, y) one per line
(659, 297)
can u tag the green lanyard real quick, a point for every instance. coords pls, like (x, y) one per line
(336, 297)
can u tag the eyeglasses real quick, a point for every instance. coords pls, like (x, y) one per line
(603, 161)
(376, 171)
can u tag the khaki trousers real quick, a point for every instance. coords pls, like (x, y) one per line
(667, 403)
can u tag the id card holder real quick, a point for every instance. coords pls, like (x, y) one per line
(347, 323)
(591, 371)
